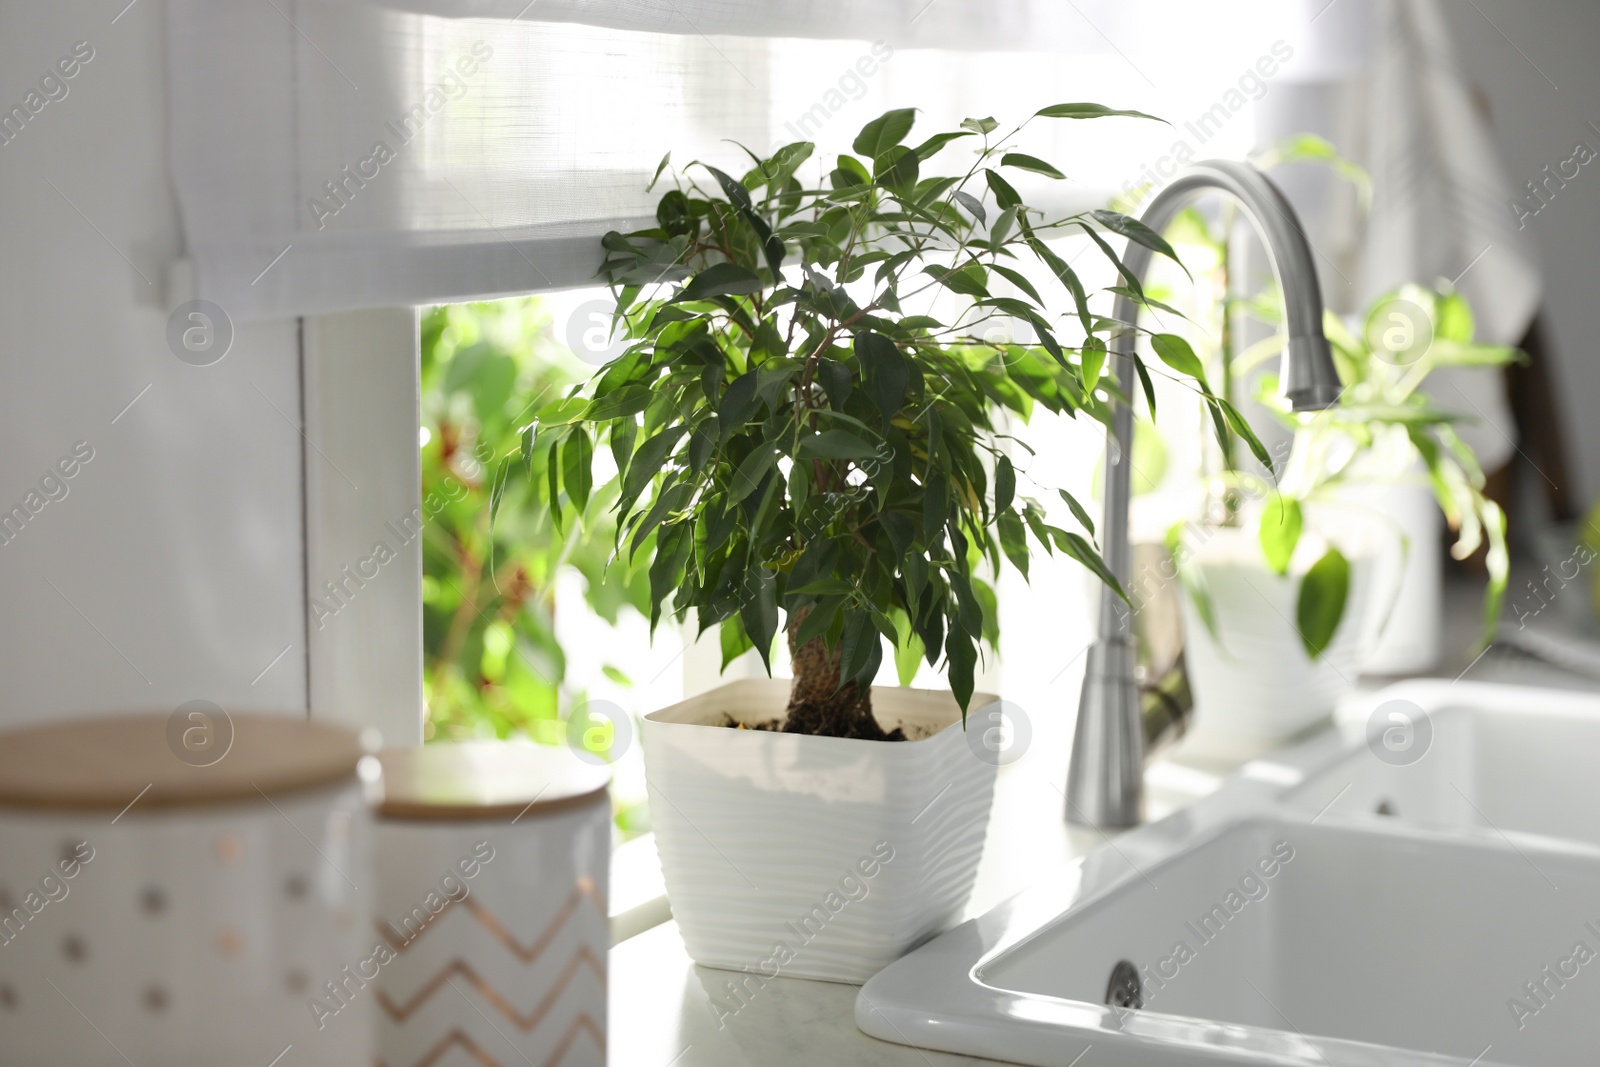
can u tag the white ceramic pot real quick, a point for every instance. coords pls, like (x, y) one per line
(1254, 685)
(1409, 573)
(492, 865)
(162, 911)
(814, 857)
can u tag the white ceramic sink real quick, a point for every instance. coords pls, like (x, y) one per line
(1283, 921)
(1501, 759)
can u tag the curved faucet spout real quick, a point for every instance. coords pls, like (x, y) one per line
(1105, 781)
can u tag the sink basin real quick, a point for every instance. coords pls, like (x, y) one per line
(1500, 759)
(1283, 921)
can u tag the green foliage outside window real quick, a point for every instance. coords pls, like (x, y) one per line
(492, 666)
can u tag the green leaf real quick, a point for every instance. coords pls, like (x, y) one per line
(1019, 280)
(1082, 551)
(961, 654)
(1002, 227)
(1320, 606)
(771, 244)
(1454, 318)
(1093, 363)
(886, 370)
(751, 470)
(935, 505)
(1137, 232)
(498, 488)
(525, 448)
(701, 443)
(835, 444)
(1013, 540)
(650, 458)
(758, 611)
(624, 435)
(720, 279)
(1281, 521)
(659, 168)
(577, 455)
(968, 280)
(973, 205)
(786, 160)
(927, 149)
(1005, 484)
(1128, 276)
(735, 642)
(819, 622)
(884, 132)
(1176, 353)
(673, 547)
(739, 403)
(1022, 161)
(1078, 511)
(1004, 194)
(853, 644)
(908, 652)
(1064, 274)
(629, 400)
(1146, 384)
(1139, 296)
(851, 170)
(988, 125)
(836, 379)
(561, 412)
(1241, 428)
(896, 169)
(1089, 111)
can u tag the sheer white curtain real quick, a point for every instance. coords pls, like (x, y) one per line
(330, 154)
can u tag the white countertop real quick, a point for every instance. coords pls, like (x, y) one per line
(661, 1005)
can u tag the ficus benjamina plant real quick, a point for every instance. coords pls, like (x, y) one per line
(808, 426)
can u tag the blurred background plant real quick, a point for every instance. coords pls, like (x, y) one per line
(1385, 428)
(493, 666)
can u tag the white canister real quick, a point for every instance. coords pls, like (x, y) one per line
(176, 890)
(493, 862)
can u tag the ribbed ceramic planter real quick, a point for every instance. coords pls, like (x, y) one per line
(814, 857)
(1256, 687)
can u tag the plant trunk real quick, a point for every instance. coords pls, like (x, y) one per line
(818, 704)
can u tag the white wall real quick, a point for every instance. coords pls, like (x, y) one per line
(179, 544)
(1536, 123)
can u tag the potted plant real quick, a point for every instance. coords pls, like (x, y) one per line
(807, 443)
(1289, 596)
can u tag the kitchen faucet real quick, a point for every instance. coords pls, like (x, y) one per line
(1105, 780)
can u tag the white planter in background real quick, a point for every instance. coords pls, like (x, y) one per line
(814, 857)
(1409, 573)
(1256, 687)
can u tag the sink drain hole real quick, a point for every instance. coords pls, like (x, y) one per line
(1384, 808)
(1124, 990)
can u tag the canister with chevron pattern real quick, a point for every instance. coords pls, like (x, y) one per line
(492, 862)
(177, 889)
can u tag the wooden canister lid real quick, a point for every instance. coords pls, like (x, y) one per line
(171, 759)
(487, 780)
